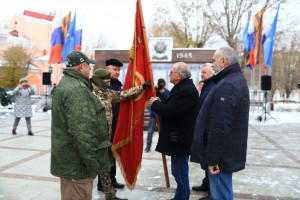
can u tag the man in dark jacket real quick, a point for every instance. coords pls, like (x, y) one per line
(178, 116)
(114, 66)
(221, 131)
(80, 148)
(207, 73)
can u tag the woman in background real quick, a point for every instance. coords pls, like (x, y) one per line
(23, 106)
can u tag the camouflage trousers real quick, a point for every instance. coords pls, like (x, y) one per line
(108, 188)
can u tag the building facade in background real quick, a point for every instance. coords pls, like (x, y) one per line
(162, 56)
(32, 31)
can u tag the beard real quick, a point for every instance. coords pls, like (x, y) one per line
(218, 67)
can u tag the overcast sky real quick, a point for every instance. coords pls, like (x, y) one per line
(113, 19)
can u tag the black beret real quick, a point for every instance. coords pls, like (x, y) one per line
(114, 62)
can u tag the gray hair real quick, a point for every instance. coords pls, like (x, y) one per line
(183, 69)
(209, 66)
(230, 53)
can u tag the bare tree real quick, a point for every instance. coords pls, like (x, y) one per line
(286, 65)
(226, 19)
(91, 43)
(189, 29)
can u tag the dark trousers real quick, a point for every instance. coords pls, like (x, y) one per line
(205, 180)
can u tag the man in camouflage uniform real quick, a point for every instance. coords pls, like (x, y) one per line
(101, 83)
(80, 148)
(114, 66)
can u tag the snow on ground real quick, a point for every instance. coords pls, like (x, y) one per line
(8, 113)
(283, 113)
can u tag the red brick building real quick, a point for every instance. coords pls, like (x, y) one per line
(194, 57)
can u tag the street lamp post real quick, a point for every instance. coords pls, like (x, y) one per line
(47, 107)
(50, 69)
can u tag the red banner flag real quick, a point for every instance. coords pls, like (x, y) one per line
(127, 145)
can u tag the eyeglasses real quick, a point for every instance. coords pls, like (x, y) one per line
(173, 72)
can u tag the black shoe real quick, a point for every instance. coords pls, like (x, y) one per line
(147, 149)
(201, 188)
(118, 185)
(207, 197)
(30, 133)
(14, 132)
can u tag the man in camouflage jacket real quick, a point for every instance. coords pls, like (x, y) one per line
(101, 82)
(80, 148)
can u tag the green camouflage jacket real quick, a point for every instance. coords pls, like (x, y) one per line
(79, 136)
(112, 96)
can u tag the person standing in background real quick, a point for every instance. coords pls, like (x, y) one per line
(207, 73)
(53, 88)
(23, 106)
(162, 93)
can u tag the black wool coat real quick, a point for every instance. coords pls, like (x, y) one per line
(221, 130)
(116, 85)
(178, 116)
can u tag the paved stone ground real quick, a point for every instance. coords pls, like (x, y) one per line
(272, 171)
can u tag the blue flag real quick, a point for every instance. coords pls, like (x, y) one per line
(269, 43)
(70, 40)
(245, 34)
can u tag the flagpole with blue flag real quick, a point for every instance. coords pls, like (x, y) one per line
(269, 43)
(245, 34)
(247, 44)
(70, 40)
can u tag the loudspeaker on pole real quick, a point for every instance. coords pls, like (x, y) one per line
(46, 78)
(266, 82)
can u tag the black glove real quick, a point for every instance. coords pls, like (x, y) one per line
(174, 137)
(146, 84)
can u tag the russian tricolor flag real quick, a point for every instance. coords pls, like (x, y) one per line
(60, 48)
(56, 40)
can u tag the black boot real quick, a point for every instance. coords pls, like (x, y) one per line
(201, 188)
(118, 185)
(207, 197)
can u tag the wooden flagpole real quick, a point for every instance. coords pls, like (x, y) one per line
(152, 86)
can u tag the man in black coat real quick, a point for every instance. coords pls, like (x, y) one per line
(178, 116)
(221, 131)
